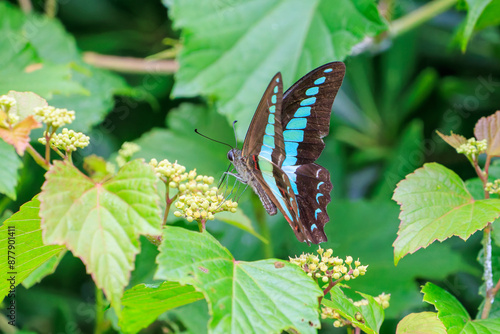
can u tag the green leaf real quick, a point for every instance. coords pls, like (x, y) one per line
(483, 326)
(454, 316)
(423, 322)
(46, 269)
(47, 62)
(373, 313)
(233, 48)
(475, 9)
(490, 16)
(450, 311)
(27, 246)
(46, 81)
(101, 222)
(26, 102)
(243, 297)
(144, 303)
(11, 163)
(435, 205)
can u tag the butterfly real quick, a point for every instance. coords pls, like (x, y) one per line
(282, 143)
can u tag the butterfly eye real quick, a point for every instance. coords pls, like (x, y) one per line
(230, 155)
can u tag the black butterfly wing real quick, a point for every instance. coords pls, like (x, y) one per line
(305, 121)
(265, 134)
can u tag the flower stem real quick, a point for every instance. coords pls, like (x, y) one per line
(420, 16)
(168, 202)
(37, 157)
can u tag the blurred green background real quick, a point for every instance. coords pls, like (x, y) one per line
(397, 92)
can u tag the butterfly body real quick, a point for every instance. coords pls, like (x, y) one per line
(282, 143)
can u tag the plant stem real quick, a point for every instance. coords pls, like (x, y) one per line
(420, 16)
(51, 8)
(26, 6)
(37, 157)
(488, 267)
(100, 326)
(488, 272)
(131, 65)
(168, 202)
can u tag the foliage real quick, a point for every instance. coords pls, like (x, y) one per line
(109, 203)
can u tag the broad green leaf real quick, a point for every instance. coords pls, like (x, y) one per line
(26, 246)
(26, 102)
(38, 55)
(435, 205)
(46, 81)
(423, 322)
(233, 48)
(244, 297)
(10, 164)
(373, 313)
(101, 222)
(44, 270)
(474, 11)
(482, 326)
(144, 303)
(450, 311)
(181, 143)
(490, 16)
(454, 316)
(489, 128)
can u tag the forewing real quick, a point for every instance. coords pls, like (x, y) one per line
(307, 107)
(264, 136)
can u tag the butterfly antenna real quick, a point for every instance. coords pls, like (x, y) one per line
(217, 141)
(235, 137)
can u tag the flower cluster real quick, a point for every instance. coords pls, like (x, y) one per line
(67, 140)
(493, 187)
(473, 147)
(327, 267)
(331, 313)
(6, 104)
(126, 152)
(196, 199)
(55, 117)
